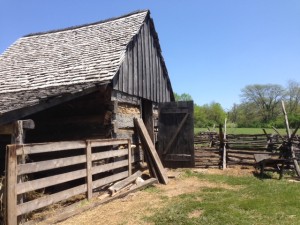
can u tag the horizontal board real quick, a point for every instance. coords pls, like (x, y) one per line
(50, 199)
(49, 164)
(109, 154)
(49, 181)
(109, 166)
(107, 142)
(110, 179)
(49, 147)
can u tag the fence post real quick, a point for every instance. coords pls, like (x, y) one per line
(11, 182)
(89, 179)
(129, 158)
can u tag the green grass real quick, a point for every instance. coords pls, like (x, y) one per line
(252, 201)
(245, 130)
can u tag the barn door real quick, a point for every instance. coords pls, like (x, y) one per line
(176, 134)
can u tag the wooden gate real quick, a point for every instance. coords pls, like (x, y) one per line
(176, 134)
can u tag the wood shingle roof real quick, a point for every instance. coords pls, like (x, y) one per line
(54, 63)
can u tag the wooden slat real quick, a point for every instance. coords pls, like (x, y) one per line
(50, 147)
(89, 180)
(109, 154)
(107, 142)
(129, 158)
(109, 166)
(163, 178)
(11, 182)
(110, 179)
(50, 164)
(50, 199)
(49, 181)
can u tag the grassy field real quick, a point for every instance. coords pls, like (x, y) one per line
(245, 130)
(245, 200)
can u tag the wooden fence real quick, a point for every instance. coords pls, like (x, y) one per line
(93, 161)
(239, 149)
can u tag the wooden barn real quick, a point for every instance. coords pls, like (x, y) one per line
(68, 99)
(82, 82)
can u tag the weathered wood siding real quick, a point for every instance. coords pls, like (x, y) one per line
(143, 72)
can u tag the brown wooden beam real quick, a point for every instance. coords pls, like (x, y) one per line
(10, 128)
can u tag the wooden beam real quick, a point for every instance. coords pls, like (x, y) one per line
(9, 128)
(123, 183)
(163, 177)
(11, 183)
(224, 146)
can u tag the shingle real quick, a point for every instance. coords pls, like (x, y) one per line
(78, 56)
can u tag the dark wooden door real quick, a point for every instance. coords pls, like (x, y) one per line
(176, 134)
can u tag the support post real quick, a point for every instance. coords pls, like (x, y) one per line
(89, 179)
(129, 158)
(11, 183)
(224, 145)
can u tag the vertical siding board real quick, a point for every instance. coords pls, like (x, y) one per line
(150, 65)
(161, 84)
(147, 60)
(155, 76)
(144, 62)
(130, 69)
(125, 74)
(120, 81)
(135, 68)
(140, 64)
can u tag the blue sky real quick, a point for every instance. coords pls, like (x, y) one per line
(212, 48)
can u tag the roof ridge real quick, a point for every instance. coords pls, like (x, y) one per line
(88, 24)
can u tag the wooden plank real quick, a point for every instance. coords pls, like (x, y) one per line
(109, 166)
(50, 164)
(9, 128)
(129, 158)
(110, 179)
(50, 199)
(140, 64)
(109, 154)
(123, 183)
(130, 78)
(50, 181)
(50, 147)
(89, 180)
(224, 146)
(107, 142)
(11, 182)
(175, 134)
(135, 67)
(163, 178)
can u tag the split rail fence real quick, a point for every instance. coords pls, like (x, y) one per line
(92, 161)
(240, 149)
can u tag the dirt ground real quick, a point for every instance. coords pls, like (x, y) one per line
(131, 209)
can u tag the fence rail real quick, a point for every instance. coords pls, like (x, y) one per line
(88, 162)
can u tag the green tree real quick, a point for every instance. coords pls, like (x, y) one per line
(266, 99)
(183, 97)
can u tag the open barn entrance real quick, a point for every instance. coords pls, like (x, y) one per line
(176, 134)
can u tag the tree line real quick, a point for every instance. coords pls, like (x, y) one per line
(260, 107)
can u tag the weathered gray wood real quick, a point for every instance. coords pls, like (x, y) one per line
(109, 154)
(11, 182)
(110, 179)
(50, 147)
(49, 181)
(129, 158)
(224, 146)
(9, 128)
(109, 166)
(50, 199)
(123, 183)
(89, 181)
(50, 164)
(163, 178)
